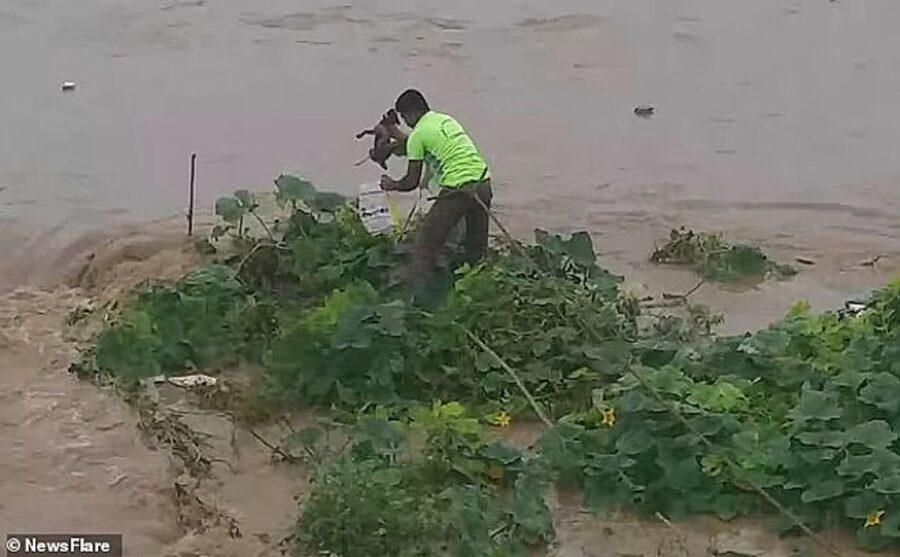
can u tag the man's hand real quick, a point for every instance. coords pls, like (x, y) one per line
(388, 183)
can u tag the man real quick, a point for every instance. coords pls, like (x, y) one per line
(462, 173)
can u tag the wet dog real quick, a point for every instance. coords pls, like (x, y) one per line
(383, 145)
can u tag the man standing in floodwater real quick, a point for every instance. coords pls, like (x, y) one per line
(462, 173)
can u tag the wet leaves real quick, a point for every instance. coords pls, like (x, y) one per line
(715, 259)
(807, 409)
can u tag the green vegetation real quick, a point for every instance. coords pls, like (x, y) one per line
(648, 413)
(716, 260)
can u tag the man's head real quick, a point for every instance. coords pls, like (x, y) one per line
(411, 105)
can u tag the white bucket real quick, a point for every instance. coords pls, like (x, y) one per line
(374, 209)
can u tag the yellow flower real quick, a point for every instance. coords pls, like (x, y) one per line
(504, 419)
(500, 419)
(609, 417)
(874, 519)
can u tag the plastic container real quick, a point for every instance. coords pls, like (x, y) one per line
(374, 209)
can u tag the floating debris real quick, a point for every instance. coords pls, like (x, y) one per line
(871, 262)
(644, 110)
(196, 380)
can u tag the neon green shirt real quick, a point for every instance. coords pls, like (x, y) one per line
(440, 141)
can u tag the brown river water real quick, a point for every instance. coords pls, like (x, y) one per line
(776, 121)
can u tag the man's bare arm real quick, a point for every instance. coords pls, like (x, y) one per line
(408, 183)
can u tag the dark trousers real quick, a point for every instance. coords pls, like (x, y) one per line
(451, 206)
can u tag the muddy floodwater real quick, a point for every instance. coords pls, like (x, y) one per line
(776, 121)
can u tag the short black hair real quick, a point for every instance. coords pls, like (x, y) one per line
(412, 101)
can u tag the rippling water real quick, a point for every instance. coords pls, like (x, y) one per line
(776, 120)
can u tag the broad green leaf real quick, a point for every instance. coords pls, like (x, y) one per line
(668, 380)
(875, 434)
(849, 378)
(860, 505)
(816, 455)
(635, 441)
(720, 397)
(821, 491)
(485, 361)
(388, 476)
(530, 511)
(816, 405)
(883, 391)
(580, 248)
(684, 475)
(540, 347)
(609, 358)
(292, 188)
(832, 439)
(880, 462)
(451, 410)
(889, 485)
(871, 539)
(391, 318)
(890, 526)
(245, 198)
(230, 209)
(219, 231)
(326, 201)
(503, 454)
(581, 373)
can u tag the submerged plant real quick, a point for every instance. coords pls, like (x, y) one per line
(715, 259)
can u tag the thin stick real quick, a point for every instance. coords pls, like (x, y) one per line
(190, 215)
(671, 408)
(264, 225)
(410, 215)
(503, 229)
(255, 249)
(682, 298)
(514, 375)
(270, 446)
(675, 411)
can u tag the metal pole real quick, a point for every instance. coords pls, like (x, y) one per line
(190, 215)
